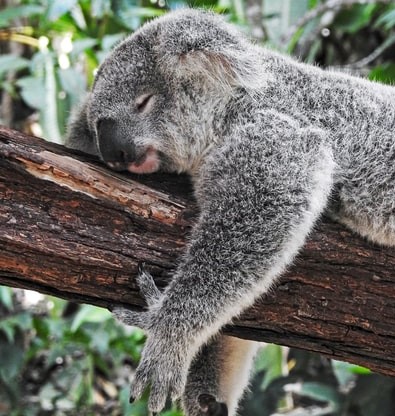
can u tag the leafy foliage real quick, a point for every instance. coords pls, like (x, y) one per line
(58, 362)
(358, 39)
(63, 359)
(64, 42)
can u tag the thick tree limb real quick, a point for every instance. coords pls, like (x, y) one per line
(71, 228)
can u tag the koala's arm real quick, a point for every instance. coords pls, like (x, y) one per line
(259, 194)
(78, 134)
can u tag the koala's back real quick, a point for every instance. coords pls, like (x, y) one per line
(359, 118)
(364, 143)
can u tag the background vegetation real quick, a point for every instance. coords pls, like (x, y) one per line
(58, 358)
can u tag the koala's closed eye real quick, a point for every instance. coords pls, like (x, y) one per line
(144, 102)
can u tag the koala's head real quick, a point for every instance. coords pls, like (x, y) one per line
(156, 97)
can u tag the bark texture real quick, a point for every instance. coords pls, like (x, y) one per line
(71, 228)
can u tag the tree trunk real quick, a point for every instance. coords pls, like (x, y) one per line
(71, 228)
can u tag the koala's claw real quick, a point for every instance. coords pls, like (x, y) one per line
(165, 373)
(150, 293)
(210, 407)
(160, 390)
(129, 317)
(140, 267)
(147, 286)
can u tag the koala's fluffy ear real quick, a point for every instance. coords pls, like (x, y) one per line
(78, 134)
(197, 44)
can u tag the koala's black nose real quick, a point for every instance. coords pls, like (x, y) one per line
(114, 146)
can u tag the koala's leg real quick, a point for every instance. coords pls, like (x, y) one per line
(218, 377)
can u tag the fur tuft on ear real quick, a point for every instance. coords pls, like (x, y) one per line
(218, 69)
(208, 50)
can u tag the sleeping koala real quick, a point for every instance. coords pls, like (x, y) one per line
(268, 142)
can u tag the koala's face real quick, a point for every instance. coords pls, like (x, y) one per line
(126, 108)
(154, 100)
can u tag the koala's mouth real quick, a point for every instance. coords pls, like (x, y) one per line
(147, 162)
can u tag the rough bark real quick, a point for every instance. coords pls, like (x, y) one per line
(71, 228)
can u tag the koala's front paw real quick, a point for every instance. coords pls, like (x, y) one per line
(151, 295)
(164, 363)
(164, 368)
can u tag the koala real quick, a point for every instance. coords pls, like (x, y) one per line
(270, 144)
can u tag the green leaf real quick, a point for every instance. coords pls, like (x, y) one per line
(100, 339)
(22, 321)
(383, 73)
(9, 87)
(347, 372)
(10, 62)
(11, 13)
(65, 404)
(89, 313)
(11, 357)
(224, 4)
(109, 41)
(358, 369)
(355, 18)
(81, 45)
(314, 50)
(132, 17)
(57, 328)
(172, 412)
(58, 8)
(99, 8)
(79, 18)
(9, 331)
(343, 373)
(74, 83)
(92, 62)
(239, 11)
(317, 391)
(48, 394)
(270, 359)
(41, 327)
(6, 296)
(387, 20)
(49, 114)
(295, 39)
(32, 91)
(57, 307)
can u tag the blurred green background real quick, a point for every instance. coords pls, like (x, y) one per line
(59, 358)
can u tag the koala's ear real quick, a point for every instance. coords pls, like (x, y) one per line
(78, 134)
(195, 44)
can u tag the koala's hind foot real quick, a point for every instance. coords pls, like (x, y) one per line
(210, 407)
(218, 377)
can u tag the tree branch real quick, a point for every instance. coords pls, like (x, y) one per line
(71, 228)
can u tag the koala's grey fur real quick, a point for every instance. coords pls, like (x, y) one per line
(270, 144)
